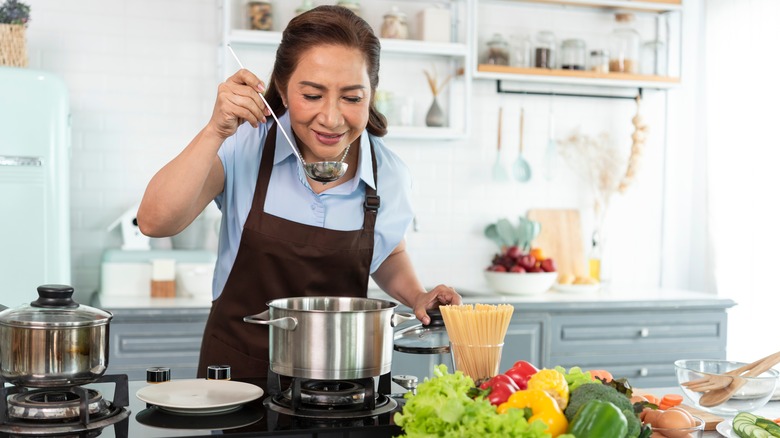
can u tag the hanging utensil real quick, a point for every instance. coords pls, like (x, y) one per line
(499, 173)
(521, 169)
(551, 153)
(323, 171)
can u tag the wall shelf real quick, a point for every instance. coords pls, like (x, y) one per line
(657, 6)
(574, 77)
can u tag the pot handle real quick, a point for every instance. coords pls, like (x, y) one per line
(398, 318)
(286, 323)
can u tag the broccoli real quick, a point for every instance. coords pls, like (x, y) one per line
(586, 393)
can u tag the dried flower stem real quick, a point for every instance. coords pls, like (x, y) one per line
(433, 82)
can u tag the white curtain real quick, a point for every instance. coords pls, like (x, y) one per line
(742, 104)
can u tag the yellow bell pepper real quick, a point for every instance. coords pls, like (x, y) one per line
(543, 408)
(552, 382)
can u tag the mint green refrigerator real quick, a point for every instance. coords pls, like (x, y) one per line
(35, 141)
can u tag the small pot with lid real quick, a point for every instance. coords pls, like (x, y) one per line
(53, 341)
(424, 339)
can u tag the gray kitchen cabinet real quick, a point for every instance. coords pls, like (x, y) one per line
(640, 345)
(142, 338)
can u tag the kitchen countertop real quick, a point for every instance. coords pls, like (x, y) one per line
(551, 300)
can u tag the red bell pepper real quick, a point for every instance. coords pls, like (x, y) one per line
(498, 389)
(520, 372)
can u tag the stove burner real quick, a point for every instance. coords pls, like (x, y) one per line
(64, 412)
(330, 393)
(330, 399)
(54, 404)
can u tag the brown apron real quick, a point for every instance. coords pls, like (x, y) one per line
(278, 258)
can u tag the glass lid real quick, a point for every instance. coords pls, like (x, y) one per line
(424, 339)
(54, 308)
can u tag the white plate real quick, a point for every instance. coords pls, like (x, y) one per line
(576, 288)
(199, 396)
(724, 428)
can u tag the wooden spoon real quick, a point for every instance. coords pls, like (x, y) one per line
(718, 396)
(712, 381)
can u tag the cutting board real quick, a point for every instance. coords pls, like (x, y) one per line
(710, 420)
(561, 239)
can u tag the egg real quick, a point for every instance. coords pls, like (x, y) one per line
(650, 416)
(687, 414)
(674, 419)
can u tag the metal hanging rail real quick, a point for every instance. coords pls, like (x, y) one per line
(499, 89)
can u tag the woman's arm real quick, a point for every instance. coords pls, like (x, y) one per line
(396, 276)
(180, 191)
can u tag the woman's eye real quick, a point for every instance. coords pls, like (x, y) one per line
(311, 97)
(354, 99)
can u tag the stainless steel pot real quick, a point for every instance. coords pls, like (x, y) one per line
(330, 337)
(53, 341)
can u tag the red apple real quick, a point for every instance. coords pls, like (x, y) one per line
(518, 269)
(527, 262)
(514, 252)
(534, 269)
(548, 265)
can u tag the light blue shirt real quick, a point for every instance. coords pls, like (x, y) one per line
(290, 196)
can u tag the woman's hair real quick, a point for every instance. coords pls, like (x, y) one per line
(326, 25)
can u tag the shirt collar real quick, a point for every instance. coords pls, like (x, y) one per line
(365, 171)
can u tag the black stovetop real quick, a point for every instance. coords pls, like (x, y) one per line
(253, 419)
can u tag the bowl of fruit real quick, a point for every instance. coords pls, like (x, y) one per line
(516, 272)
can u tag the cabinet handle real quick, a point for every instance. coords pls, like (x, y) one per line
(644, 332)
(643, 372)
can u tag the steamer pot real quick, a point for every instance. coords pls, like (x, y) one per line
(53, 341)
(330, 338)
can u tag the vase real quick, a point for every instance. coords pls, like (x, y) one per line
(435, 116)
(13, 48)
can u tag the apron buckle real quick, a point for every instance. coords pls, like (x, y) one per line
(371, 202)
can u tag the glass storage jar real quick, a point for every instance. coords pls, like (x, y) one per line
(521, 55)
(497, 50)
(653, 60)
(260, 16)
(573, 54)
(394, 25)
(544, 52)
(599, 61)
(352, 5)
(624, 45)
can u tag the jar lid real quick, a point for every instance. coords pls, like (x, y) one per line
(424, 339)
(497, 38)
(598, 52)
(395, 12)
(54, 308)
(218, 372)
(575, 42)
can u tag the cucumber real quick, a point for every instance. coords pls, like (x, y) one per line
(769, 425)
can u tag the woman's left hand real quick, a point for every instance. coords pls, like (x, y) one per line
(441, 294)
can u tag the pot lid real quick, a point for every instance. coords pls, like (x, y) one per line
(54, 308)
(424, 339)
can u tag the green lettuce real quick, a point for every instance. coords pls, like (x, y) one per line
(442, 408)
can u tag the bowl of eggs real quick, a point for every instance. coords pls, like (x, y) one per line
(674, 422)
(752, 395)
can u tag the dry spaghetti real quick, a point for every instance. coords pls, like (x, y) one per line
(477, 336)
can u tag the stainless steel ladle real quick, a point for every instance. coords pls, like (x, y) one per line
(321, 171)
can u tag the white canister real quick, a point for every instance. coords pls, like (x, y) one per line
(434, 24)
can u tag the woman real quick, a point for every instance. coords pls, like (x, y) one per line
(282, 233)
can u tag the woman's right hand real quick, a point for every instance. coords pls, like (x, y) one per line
(238, 101)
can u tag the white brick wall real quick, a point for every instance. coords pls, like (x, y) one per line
(142, 76)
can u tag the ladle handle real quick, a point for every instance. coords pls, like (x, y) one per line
(270, 110)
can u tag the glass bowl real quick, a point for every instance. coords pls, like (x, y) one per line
(697, 431)
(753, 395)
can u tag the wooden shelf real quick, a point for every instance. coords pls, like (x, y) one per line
(576, 77)
(656, 6)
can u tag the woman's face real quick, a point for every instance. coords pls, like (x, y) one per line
(328, 98)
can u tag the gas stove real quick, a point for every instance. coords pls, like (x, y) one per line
(73, 411)
(299, 410)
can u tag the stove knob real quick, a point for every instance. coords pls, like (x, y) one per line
(218, 372)
(158, 374)
(407, 382)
